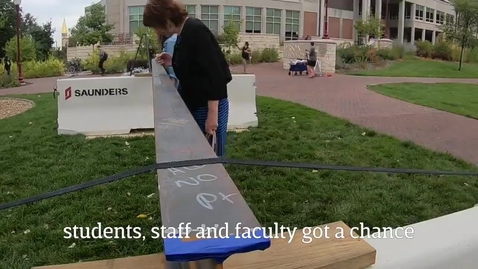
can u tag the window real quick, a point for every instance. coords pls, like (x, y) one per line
(408, 11)
(135, 18)
(430, 15)
(210, 17)
(440, 17)
(393, 14)
(273, 20)
(232, 14)
(292, 24)
(253, 20)
(191, 9)
(419, 12)
(449, 18)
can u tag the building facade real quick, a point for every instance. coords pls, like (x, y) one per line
(292, 19)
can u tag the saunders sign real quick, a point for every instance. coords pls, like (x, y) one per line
(101, 92)
(96, 92)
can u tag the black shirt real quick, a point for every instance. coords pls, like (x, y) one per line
(245, 54)
(200, 65)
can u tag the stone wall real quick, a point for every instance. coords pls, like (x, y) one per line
(326, 52)
(260, 41)
(256, 41)
(383, 43)
(83, 52)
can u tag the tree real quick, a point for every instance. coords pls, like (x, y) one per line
(230, 36)
(371, 27)
(152, 39)
(7, 28)
(92, 28)
(29, 24)
(27, 46)
(43, 37)
(464, 28)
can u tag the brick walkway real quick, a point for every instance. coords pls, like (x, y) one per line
(347, 97)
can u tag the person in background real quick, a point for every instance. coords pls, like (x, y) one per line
(103, 58)
(311, 60)
(199, 65)
(246, 55)
(169, 48)
(7, 64)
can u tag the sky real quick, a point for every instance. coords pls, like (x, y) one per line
(46, 10)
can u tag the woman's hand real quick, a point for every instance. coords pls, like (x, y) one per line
(211, 123)
(164, 59)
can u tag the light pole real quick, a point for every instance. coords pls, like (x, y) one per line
(19, 55)
(326, 21)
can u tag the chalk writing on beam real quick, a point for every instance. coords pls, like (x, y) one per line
(194, 181)
(189, 168)
(166, 123)
(206, 199)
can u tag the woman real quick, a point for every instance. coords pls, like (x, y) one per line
(246, 55)
(198, 63)
(311, 60)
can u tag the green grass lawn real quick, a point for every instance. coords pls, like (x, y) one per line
(33, 160)
(461, 99)
(414, 67)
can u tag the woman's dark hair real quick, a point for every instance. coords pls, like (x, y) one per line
(158, 12)
(312, 43)
(246, 43)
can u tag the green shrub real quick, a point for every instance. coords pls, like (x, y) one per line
(269, 55)
(398, 51)
(471, 55)
(424, 49)
(234, 58)
(347, 55)
(256, 57)
(115, 63)
(7, 82)
(387, 54)
(441, 50)
(49, 68)
(52, 67)
(357, 54)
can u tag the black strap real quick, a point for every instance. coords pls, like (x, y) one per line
(157, 166)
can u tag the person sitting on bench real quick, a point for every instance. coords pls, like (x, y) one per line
(198, 63)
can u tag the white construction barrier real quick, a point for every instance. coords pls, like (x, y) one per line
(104, 106)
(117, 105)
(446, 242)
(242, 102)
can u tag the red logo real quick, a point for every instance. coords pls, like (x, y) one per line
(68, 93)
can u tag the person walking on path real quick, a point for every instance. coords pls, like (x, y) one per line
(7, 64)
(246, 55)
(198, 63)
(103, 58)
(311, 60)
